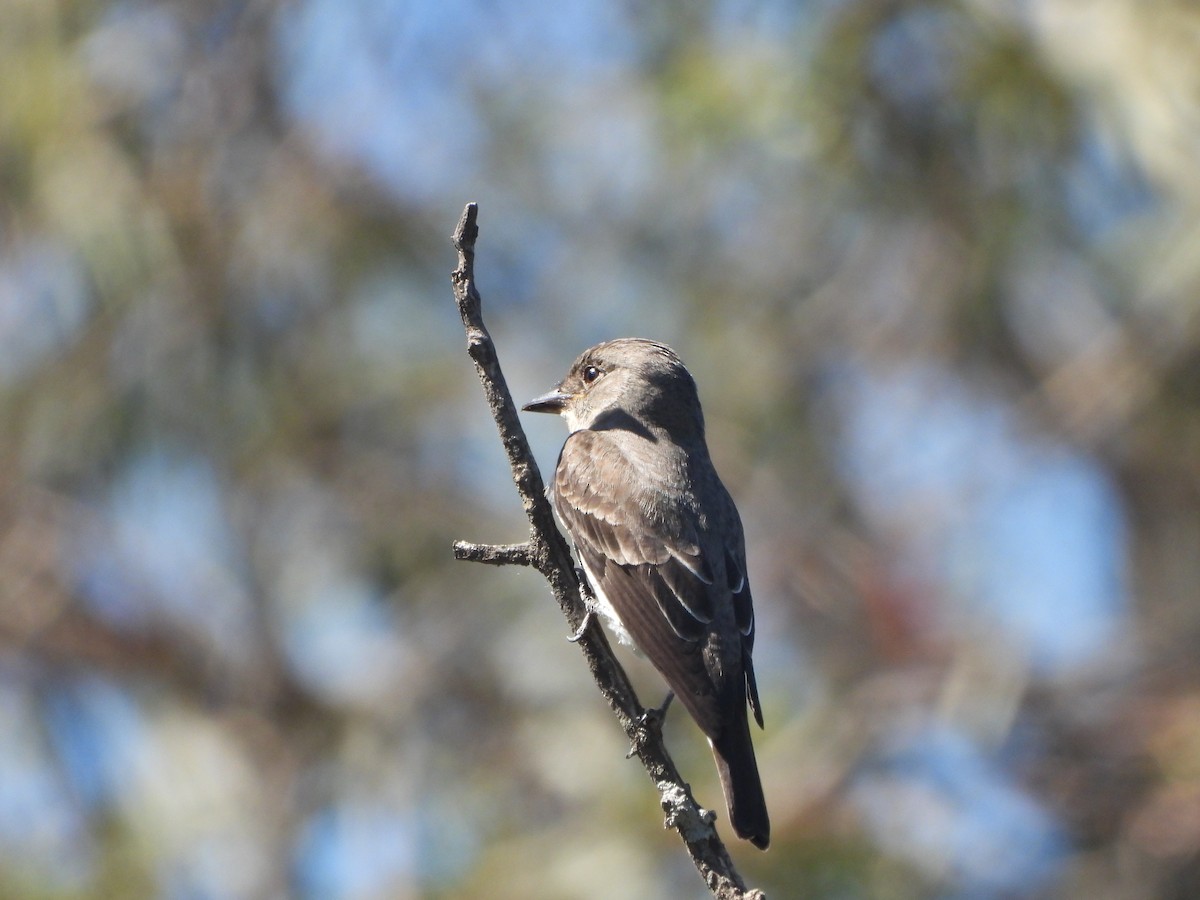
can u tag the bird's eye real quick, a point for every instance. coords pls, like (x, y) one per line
(590, 374)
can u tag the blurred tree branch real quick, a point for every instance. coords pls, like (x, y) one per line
(547, 551)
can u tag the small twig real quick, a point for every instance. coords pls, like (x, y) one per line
(547, 551)
(494, 554)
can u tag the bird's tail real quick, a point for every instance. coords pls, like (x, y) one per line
(738, 771)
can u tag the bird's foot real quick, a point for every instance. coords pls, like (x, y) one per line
(658, 715)
(588, 613)
(589, 606)
(652, 719)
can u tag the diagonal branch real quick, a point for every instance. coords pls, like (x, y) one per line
(547, 551)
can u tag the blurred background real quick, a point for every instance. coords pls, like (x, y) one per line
(934, 266)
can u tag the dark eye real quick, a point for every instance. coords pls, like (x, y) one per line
(590, 374)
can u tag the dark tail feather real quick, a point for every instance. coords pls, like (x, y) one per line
(738, 771)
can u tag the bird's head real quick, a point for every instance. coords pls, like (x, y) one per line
(629, 383)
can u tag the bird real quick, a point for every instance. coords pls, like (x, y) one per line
(661, 544)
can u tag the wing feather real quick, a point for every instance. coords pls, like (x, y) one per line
(650, 565)
(633, 527)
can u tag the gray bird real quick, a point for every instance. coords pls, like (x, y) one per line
(661, 543)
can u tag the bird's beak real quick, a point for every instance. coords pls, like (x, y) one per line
(553, 402)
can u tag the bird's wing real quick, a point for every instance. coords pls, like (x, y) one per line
(743, 614)
(618, 512)
(647, 561)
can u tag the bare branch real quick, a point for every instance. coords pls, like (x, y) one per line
(547, 551)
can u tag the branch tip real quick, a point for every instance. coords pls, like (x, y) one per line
(468, 229)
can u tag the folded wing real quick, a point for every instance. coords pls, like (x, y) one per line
(647, 560)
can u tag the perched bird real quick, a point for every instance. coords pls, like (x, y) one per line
(661, 543)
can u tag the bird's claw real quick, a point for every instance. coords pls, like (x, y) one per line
(583, 626)
(589, 606)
